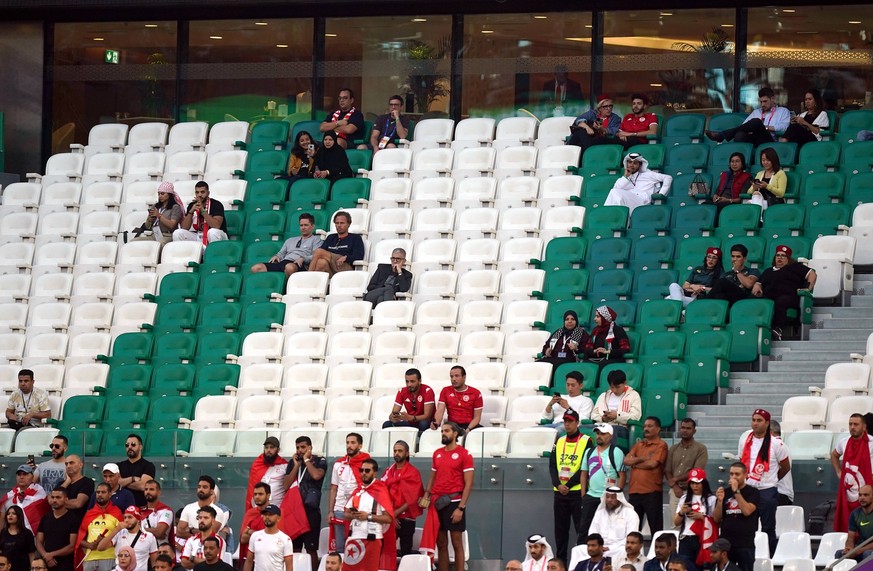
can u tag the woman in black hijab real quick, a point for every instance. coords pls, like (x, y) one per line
(331, 161)
(563, 344)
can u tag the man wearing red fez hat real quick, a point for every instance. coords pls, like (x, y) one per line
(783, 283)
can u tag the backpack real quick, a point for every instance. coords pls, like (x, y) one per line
(821, 518)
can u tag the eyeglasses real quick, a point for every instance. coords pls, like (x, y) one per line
(610, 106)
(131, 445)
(366, 470)
(396, 259)
(781, 255)
(56, 446)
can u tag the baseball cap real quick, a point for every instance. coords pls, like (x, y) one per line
(26, 468)
(271, 509)
(571, 414)
(603, 428)
(134, 511)
(696, 475)
(111, 467)
(272, 440)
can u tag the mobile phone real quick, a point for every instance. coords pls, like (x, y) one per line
(30, 458)
(311, 146)
(558, 395)
(607, 560)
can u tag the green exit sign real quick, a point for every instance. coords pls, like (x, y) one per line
(110, 56)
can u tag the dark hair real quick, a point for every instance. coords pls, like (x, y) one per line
(766, 92)
(689, 420)
(306, 216)
(155, 482)
(164, 558)
(372, 463)
(344, 214)
(62, 438)
(741, 466)
(868, 418)
(212, 539)
(208, 509)
(357, 436)
(742, 157)
(414, 372)
(616, 377)
(576, 376)
(641, 96)
(705, 493)
(775, 428)
(460, 368)
(595, 537)
(654, 419)
(819, 102)
(773, 157)
(22, 523)
(636, 534)
(25, 373)
(202, 184)
(208, 480)
(336, 554)
(105, 485)
(137, 436)
(263, 486)
(301, 439)
(858, 415)
(677, 561)
(559, 562)
(395, 98)
(60, 488)
(456, 428)
(667, 538)
(402, 443)
(741, 249)
(297, 150)
(351, 93)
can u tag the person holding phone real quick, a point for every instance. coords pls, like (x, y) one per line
(596, 125)
(204, 220)
(163, 216)
(301, 164)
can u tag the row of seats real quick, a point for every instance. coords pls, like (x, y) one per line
(194, 135)
(832, 414)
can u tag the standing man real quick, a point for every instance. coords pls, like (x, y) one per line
(646, 460)
(538, 553)
(638, 184)
(28, 406)
(339, 251)
(720, 553)
(204, 220)
(30, 497)
(637, 125)
(602, 466)
(736, 283)
(193, 553)
(79, 488)
(565, 469)
(736, 509)
(785, 485)
(52, 473)
(269, 468)
(131, 534)
(56, 538)
(682, 457)
(614, 519)
(135, 471)
(413, 405)
(371, 514)
(768, 462)
(459, 403)
(296, 253)
(405, 488)
(344, 480)
(100, 521)
(121, 497)
(389, 279)
(851, 460)
(157, 517)
(762, 125)
(308, 470)
(388, 129)
(270, 549)
(633, 553)
(445, 498)
(212, 550)
(252, 520)
(573, 400)
(190, 517)
(347, 121)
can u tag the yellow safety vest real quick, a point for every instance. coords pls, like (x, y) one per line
(568, 457)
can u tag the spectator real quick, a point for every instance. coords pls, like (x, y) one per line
(29, 405)
(272, 549)
(389, 128)
(637, 125)
(194, 552)
(666, 555)
(347, 121)
(720, 555)
(513, 565)
(701, 279)
(459, 403)
(608, 341)
(339, 251)
(135, 471)
(693, 515)
(564, 344)
(538, 553)
(761, 126)
(783, 282)
(736, 283)
(296, 253)
(574, 400)
(333, 561)
(212, 550)
(56, 538)
(331, 161)
(732, 183)
(16, 540)
(308, 470)
(618, 405)
(596, 561)
(602, 467)
(130, 534)
(646, 460)
(638, 184)
(126, 559)
(389, 279)
(633, 555)
(371, 529)
(164, 216)
(301, 164)
(770, 184)
(682, 457)
(851, 459)
(565, 470)
(52, 473)
(204, 218)
(120, 497)
(413, 405)
(614, 519)
(344, 480)
(190, 518)
(859, 527)
(26, 496)
(405, 487)
(102, 518)
(736, 509)
(79, 489)
(252, 520)
(806, 127)
(556, 564)
(785, 485)
(269, 468)
(157, 517)
(595, 126)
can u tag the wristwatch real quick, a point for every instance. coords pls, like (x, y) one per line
(369, 517)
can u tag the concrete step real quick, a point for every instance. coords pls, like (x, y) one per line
(757, 400)
(726, 410)
(782, 388)
(843, 312)
(775, 378)
(832, 334)
(863, 300)
(813, 356)
(798, 366)
(859, 323)
(819, 345)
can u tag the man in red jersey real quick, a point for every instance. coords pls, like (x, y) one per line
(445, 497)
(459, 403)
(413, 405)
(404, 484)
(637, 124)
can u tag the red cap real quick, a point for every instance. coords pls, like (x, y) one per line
(601, 98)
(696, 475)
(134, 511)
(762, 412)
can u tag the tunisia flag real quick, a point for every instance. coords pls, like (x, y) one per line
(707, 531)
(32, 500)
(294, 521)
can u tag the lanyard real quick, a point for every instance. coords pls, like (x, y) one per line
(770, 118)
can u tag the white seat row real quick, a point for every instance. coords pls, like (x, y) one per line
(79, 287)
(810, 412)
(434, 133)
(114, 137)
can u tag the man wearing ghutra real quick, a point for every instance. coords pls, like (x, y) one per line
(538, 553)
(638, 184)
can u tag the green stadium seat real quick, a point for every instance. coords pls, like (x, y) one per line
(266, 166)
(605, 222)
(259, 287)
(653, 284)
(853, 121)
(860, 189)
(562, 253)
(611, 284)
(261, 252)
(348, 193)
(801, 247)
(266, 194)
(662, 347)
(555, 314)
(659, 315)
(826, 219)
(654, 154)
(264, 315)
(601, 160)
(84, 441)
(678, 196)
(114, 440)
(633, 371)
(608, 253)
(220, 287)
(708, 360)
(223, 256)
(784, 219)
(80, 411)
(125, 412)
(219, 316)
(215, 347)
(127, 379)
(171, 380)
(692, 253)
(757, 245)
(652, 253)
(857, 157)
(589, 373)
(673, 376)
(176, 287)
(692, 220)
(743, 219)
(175, 347)
(167, 415)
(792, 190)
(265, 225)
(683, 128)
(822, 188)
(363, 136)
(360, 159)
(268, 135)
(563, 285)
(666, 405)
(704, 315)
(650, 220)
(212, 379)
(180, 316)
(787, 153)
(819, 156)
(625, 315)
(595, 191)
(725, 121)
(235, 221)
(129, 349)
(166, 442)
(719, 157)
(749, 327)
(311, 127)
(687, 158)
(307, 195)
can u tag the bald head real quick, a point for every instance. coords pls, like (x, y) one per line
(865, 496)
(73, 465)
(513, 565)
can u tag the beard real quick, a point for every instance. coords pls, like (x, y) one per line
(150, 498)
(202, 496)
(131, 453)
(270, 460)
(398, 459)
(446, 440)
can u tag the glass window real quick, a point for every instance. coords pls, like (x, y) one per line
(823, 47)
(539, 62)
(682, 59)
(383, 56)
(105, 72)
(248, 70)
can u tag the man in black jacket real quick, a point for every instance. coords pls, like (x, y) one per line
(389, 279)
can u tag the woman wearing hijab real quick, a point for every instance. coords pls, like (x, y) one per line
(331, 161)
(565, 343)
(164, 215)
(700, 280)
(694, 515)
(125, 559)
(608, 341)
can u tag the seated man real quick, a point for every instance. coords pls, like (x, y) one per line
(296, 252)
(347, 121)
(614, 519)
(637, 124)
(574, 399)
(736, 283)
(339, 251)
(595, 126)
(203, 220)
(29, 406)
(860, 529)
(618, 405)
(388, 128)
(539, 552)
(762, 125)
(638, 184)
(389, 279)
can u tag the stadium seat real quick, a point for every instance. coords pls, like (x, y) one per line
(829, 544)
(809, 444)
(683, 128)
(841, 408)
(792, 545)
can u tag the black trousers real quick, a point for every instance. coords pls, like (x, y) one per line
(798, 134)
(405, 534)
(650, 506)
(752, 131)
(567, 508)
(728, 291)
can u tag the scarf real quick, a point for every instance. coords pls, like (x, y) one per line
(199, 225)
(32, 501)
(354, 463)
(258, 469)
(608, 315)
(252, 519)
(380, 494)
(405, 487)
(762, 462)
(131, 565)
(857, 472)
(707, 531)
(110, 514)
(336, 116)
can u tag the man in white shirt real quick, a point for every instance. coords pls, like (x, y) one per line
(131, 534)
(614, 519)
(574, 399)
(344, 479)
(371, 512)
(192, 554)
(638, 184)
(785, 486)
(157, 517)
(762, 125)
(189, 519)
(270, 549)
(633, 552)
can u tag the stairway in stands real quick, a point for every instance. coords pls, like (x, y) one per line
(794, 367)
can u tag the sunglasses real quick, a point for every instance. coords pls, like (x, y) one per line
(131, 445)
(366, 470)
(55, 446)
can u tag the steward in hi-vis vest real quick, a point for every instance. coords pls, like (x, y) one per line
(565, 464)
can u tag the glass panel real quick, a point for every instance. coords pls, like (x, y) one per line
(511, 61)
(111, 71)
(384, 56)
(794, 49)
(682, 60)
(248, 70)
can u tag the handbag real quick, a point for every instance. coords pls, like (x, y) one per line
(698, 187)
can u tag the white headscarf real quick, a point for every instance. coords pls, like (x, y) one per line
(536, 539)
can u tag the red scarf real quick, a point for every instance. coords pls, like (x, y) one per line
(379, 491)
(258, 469)
(857, 472)
(429, 532)
(354, 463)
(761, 465)
(111, 514)
(200, 225)
(147, 511)
(336, 116)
